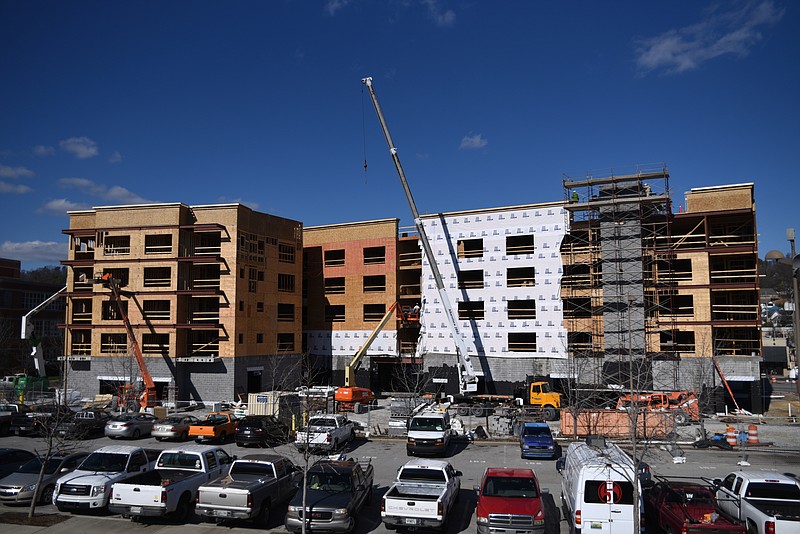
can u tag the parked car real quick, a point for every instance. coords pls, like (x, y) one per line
(509, 501)
(19, 486)
(130, 425)
(39, 419)
(175, 426)
(767, 502)
(261, 430)
(85, 424)
(216, 427)
(12, 459)
(536, 441)
(686, 507)
(422, 496)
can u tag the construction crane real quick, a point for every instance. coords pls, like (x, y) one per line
(468, 380)
(27, 332)
(147, 398)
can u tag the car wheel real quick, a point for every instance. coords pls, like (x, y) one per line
(239, 444)
(47, 495)
(159, 438)
(223, 437)
(262, 520)
(550, 413)
(136, 434)
(183, 508)
(184, 435)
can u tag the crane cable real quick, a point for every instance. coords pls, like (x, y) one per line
(364, 133)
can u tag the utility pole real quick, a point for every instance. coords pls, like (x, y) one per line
(795, 259)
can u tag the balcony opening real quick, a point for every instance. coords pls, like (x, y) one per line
(120, 275)
(81, 344)
(286, 342)
(577, 307)
(334, 313)
(285, 313)
(470, 279)
(286, 283)
(521, 277)
(334, 258)
(205, 310)
(207, 243)
(470, 248)
(374, 255)
(117, 245)
(156, 310)
(334, 286)
(522, 342)
(521, 309)
(678, 305)
(110, 311)
(82, 311)
(374, 283)
(155, 344)
(520, 244)
(205, 277)
(471, 310)
(157, 277)
(114, 343)
(286, 253)
(158, 244)
(677, 341)
(374, 312)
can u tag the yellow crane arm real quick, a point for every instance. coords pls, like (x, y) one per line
(350, 370)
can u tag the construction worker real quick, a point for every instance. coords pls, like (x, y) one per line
(575, 197)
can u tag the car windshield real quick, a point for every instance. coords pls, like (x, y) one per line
(172, 420)
(427, 424)
(333, 482)
(535, 431)
(104, 461)
(35, 465)
(122, 418)
(510, 487)
(179, 460)
(252, 468)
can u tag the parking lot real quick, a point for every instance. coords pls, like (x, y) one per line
(470, 457)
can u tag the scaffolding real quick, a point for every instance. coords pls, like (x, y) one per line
(617, 271)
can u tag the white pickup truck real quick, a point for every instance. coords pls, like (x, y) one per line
(170, 488)
(88, 487)
(767, 502)
(325, 432)
(422, 495)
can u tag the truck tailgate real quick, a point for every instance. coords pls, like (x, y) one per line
(408, 504)
(136, 494)
(224, 497)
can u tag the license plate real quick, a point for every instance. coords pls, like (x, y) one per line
(596, 525)
(411, 521)
(221, 513)
(136, 510)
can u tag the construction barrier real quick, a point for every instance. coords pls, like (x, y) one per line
(752, 434)
(730, 435)
(615, 423)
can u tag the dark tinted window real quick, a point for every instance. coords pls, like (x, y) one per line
(773, 490)
(600, 492)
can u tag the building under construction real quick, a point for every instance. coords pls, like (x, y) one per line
(653, 297)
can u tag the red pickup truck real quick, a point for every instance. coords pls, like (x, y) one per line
(509, 500)
(682, 507)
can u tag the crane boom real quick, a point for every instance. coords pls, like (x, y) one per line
(468, 380)
(148, 397)
(27, 331)
(355, 363)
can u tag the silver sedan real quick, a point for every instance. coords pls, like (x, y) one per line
(18, 487)
(130, 425)
(174, 426)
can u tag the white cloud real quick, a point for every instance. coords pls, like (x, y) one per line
(14, 188)
(15, 172)
(332, 6)
(34, 251)
(80, 147)
(721, 33)
(442, 17)
(114, 194)
(472, 142)
(250, 204)
(116, 157)
(43, 151)
(60, 206)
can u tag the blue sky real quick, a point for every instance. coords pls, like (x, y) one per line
(489, 104)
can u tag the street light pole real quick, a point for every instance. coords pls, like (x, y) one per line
(795, 313)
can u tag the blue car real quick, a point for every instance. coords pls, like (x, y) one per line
(536, 441)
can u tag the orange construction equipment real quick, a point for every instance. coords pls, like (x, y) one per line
(684, 403)
(147, 398)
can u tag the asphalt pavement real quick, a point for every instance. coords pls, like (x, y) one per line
(471, 457)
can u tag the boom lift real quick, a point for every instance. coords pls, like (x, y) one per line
(468, 380)
(147, 398)
(351, 394)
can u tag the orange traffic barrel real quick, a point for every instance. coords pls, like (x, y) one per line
(730, 435)
(752, 434)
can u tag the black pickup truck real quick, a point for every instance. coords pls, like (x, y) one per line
(336, 492)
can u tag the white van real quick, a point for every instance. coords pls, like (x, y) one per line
(597, 489)
(429, 433)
